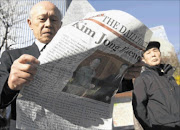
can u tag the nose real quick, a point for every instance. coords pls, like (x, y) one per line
(48, 23)
(153, 53)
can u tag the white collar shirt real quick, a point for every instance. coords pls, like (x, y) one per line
(40, 45)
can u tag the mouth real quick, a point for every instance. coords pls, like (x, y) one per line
(47, 33)
(154, 60)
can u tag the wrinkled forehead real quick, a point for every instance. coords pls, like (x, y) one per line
(45, 10)
(151, 50)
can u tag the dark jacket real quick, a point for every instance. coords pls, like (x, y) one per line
(8, 96)
(156, 98)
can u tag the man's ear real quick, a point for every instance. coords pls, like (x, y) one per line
(29, 23)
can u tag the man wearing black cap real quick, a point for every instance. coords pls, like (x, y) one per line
(156, 96)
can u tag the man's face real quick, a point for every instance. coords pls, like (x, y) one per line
(152, 57)
(45, 21)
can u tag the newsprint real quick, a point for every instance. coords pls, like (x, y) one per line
(81, 69)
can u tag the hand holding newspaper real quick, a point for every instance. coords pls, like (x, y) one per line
(80, 71)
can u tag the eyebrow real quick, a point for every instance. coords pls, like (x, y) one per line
(154, 48)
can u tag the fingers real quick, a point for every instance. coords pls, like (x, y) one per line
(16, 74)
(29, 68)
(25, 58)
(18, 80)
(22, 71)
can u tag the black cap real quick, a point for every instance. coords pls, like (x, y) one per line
(153, 44)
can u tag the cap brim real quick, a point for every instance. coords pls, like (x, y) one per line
(152, 45)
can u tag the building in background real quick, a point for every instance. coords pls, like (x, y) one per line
(159, 34)
(21, 31)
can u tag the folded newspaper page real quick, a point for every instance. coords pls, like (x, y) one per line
(81, 69)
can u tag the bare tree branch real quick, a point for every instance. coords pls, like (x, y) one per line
(11, 14)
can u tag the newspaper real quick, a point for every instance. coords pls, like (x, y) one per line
(81, 69)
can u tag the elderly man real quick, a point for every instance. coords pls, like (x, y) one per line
(156, 96)
(18, 66)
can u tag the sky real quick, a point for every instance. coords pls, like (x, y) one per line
(150, 12)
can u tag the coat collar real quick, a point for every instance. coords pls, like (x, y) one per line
(33, 50)
(162, 69)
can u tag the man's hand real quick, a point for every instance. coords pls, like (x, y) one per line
(22, 71)
(134, 70)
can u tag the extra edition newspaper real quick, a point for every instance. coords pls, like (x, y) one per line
(81, 69)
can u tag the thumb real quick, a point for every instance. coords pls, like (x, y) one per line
(28, 59)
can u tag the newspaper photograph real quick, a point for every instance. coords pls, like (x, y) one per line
(81, 70)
